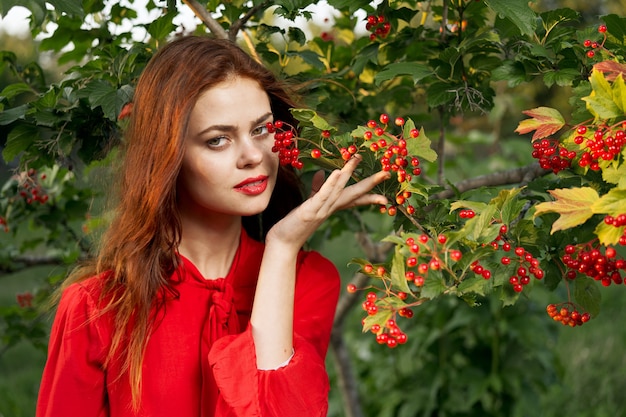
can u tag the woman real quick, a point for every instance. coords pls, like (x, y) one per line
(201, 301)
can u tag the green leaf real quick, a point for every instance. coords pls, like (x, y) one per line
(71, 7)
(572, 204)
(398, 269)
(473, 284)
(309, 117)
(103, 94)
(434, 286)
(562, 78)
(608, 234)
(416, 70)
(600, 102)
(15, 89)
(11, 115)
(160, 28)
(613, 203)
(517, 11)
(587, 294)
(297, 35)
(615, 175)
(419, 146)
(19, 139)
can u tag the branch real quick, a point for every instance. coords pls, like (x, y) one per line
(206, 18)
(376, 253)
(236, 27)
(27, 261)
(521, 176)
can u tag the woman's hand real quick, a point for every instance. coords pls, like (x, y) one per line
(274, 297)
(326, 198)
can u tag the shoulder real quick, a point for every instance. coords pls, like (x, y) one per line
(83, 298)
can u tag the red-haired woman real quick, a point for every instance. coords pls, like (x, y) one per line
(201, 301)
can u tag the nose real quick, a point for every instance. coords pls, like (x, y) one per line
(250, 152)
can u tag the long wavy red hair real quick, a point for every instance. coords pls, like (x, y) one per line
(137, 253)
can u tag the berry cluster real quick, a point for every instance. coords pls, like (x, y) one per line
(285, 144)
(589, 260)
(30, 188)
(390, 333)
(567, 317)
(552, 155)
(618, 221)
(378, 27)
(602, 144)
(526, 265)
(593, 46)
(25, 300)
(433, 253)
(391, 152)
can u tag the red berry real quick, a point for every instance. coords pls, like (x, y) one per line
(384, 118)
(351, 288)
(602, 28)
(316, 153)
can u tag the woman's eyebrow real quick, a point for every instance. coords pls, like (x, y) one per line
(231, 128)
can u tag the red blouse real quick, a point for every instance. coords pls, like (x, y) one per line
(200, 359)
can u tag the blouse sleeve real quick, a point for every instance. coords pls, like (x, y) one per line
(299, 389)
(73, 381)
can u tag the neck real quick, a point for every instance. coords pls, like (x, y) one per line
(211, 246)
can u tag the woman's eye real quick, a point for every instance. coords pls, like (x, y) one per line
(216, 142)
(260, 130)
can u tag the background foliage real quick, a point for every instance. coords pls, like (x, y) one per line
(462, 71)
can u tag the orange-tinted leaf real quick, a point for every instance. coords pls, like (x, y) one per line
(573, 205)
(545, 121)
(611, 69)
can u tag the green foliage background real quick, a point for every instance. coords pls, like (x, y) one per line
(468, 86)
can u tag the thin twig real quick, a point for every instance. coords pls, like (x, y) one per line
(236, 27)
(207, 19)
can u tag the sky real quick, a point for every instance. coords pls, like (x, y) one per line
(16, 21)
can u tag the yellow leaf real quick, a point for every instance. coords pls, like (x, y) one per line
(573, 205)
(608, 234)
(545, 121)
(613, 203)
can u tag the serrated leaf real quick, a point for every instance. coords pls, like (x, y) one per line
(310, 118)
(619, 93)
(297, 35)
(19, 139)
(609, 234)
(161, 27)
(434, 286)
(419, 146)
(517, 11)
(545, 121)
(613, 203)
(398, 269)
(587, 294)
(610, 69)
(71, 7)
(600, 102)
(615, 175)
(476, 206)
(416, 70)
(572, 204)
(379, 318)
(473, 284)
(15, 89)
(11, 115)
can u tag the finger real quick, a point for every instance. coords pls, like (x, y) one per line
(317, 182)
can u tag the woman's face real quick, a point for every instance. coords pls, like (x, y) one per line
(228, 165)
